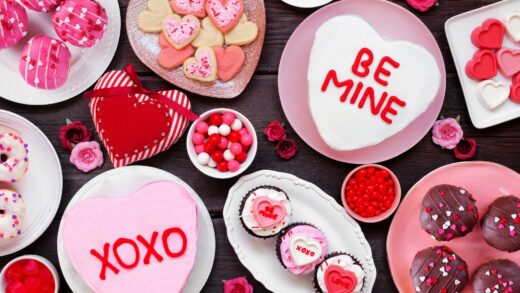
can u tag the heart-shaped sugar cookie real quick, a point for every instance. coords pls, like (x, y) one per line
(339, 280)
(267, 211)
(150, 20)
(193, 7)
(171, 58)
(229, 61)
(508, 61)
(208, 36)
(492, 93)
(512, 24)
(304, 251)
(245, 32)
(203, 66)
(180, 32)
(225, 14)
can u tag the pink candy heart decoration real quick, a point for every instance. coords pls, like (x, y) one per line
(508, 61)
(268, 212)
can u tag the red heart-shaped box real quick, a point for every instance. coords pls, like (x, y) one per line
(135, 127)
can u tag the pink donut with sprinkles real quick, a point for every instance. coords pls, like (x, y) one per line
(12, 213)
(45, 62)
(13, 23)
(82, 23)
(14, 157)
(41, 5)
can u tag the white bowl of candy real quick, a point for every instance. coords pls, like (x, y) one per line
(222, 143)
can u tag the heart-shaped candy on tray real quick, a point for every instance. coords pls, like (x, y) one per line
(490, 35)
(225, 14)
(203, 66)
(304, 251)
(193, 7)
(229, 61)
(339, 280)
(267, 211)
(512, 24)
(514, 94)
(492, 93)
(508, 61)
(482, 66)
(180, 32)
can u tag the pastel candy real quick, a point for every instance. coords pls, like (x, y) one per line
(41, 5)
(169, 57)
(45, 62)
(13, 23)
(229, 61)
(82, 23)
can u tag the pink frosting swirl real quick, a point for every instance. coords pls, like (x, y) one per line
(309, 232)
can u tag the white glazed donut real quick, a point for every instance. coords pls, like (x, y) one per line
(14, 158)
(12, 213)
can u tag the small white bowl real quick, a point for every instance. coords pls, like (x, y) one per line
(37, 258)
(213, 172)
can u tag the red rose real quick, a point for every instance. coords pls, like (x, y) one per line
(286, 148)
(237, 285)
(275, 131)
(74, 133)
(465, 149)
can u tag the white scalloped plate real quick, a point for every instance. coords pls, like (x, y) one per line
(310, 205)
(120, 182)
(87, 65)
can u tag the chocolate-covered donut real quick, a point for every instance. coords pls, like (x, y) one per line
(501, 224)
(438, 269)
(448, 212)
(498, 275)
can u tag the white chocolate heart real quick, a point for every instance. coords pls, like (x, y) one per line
(512, 24)
(245, 32)
(208, 36)
(150, 20)
(304, 251)
(492, 93)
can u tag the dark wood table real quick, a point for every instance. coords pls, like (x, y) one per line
(260, 103)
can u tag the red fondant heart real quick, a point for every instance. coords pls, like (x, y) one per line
(339, 280)
(135, 127)
(515, 97)
(267, 211)
(508, 61)
(490, 35)
(482, 66)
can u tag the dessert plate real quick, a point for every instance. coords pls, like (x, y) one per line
(311, 205)
(306, 3)
(40, 187)
(87, 65)
(292, 77)
(486, 181)
(146, 47)
(122, 181)
(458, 31)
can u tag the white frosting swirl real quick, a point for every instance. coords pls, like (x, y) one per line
(347, 263)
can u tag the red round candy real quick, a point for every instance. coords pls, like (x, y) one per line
(242, 157)
(16, 287)
(222, 166)
(234, 136)
(209, 147)
(14, 273)
(217, 156)
(215, 119)
(33, 284)
(214, 139)
(31, 267)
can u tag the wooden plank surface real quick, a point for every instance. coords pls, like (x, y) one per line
(260, 103)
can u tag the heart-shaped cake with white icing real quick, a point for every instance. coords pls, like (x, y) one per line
(363, 88)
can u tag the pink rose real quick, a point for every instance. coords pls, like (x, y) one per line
(466, 149)
(422, 5)
(237, 285)
(286, 148)
(275, 131)
(447, 133)
(86, 156)
(74, 133)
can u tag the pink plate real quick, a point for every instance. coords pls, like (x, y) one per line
(486, 181)
(391, 21)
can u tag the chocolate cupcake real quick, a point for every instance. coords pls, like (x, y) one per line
(339, 272)
(448, 212)
(438, 269)
(501, 224)
(498, 275)
(265, 211)
(301, 247)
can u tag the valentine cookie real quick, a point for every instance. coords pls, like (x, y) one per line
(208, 36)
(489, 35)
(41, 5)
(339, 272)
(13, 23)
(508, 61)
(193, 7)
(512, 25)
(82, 23)
(229, 61)
(265, 211)
(14, 157)
(245, 32)
(203, 66)
(45, 62)
(180, 32)
(498, 274)
(135, 247)
(359, 78)
(151, 20)
(171, 58)
(501, 224)
(301, 247)
(482, 66)
(492, 93)
(225, 14)
(12, 216)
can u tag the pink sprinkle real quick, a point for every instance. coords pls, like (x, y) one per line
(441, 205)
(501, 226)
(449, 235)
(463, 228)
(432, 264)
(453, 227)
(512, 233)
(441, 231)
(448, 268)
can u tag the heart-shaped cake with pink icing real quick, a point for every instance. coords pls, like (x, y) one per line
(145, 241)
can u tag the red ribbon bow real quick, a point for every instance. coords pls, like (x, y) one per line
(138, 88)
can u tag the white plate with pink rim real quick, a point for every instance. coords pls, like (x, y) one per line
(122, 181)
(458, 31)
(87, 65)
(310, 205)
(41, 186)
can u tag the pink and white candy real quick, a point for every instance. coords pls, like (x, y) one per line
(41, 5)
(13, 23)
(45, 62)
(82, 23)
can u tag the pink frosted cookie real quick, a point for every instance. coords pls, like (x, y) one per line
(13, 23)
(225, 14)
(41, 5)
(45, 62)
(80, 22)
(193, 7)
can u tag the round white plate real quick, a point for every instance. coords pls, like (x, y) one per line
(306, 3)
(87, 65)
(41, 187)
(120, 182)
(311, 205)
